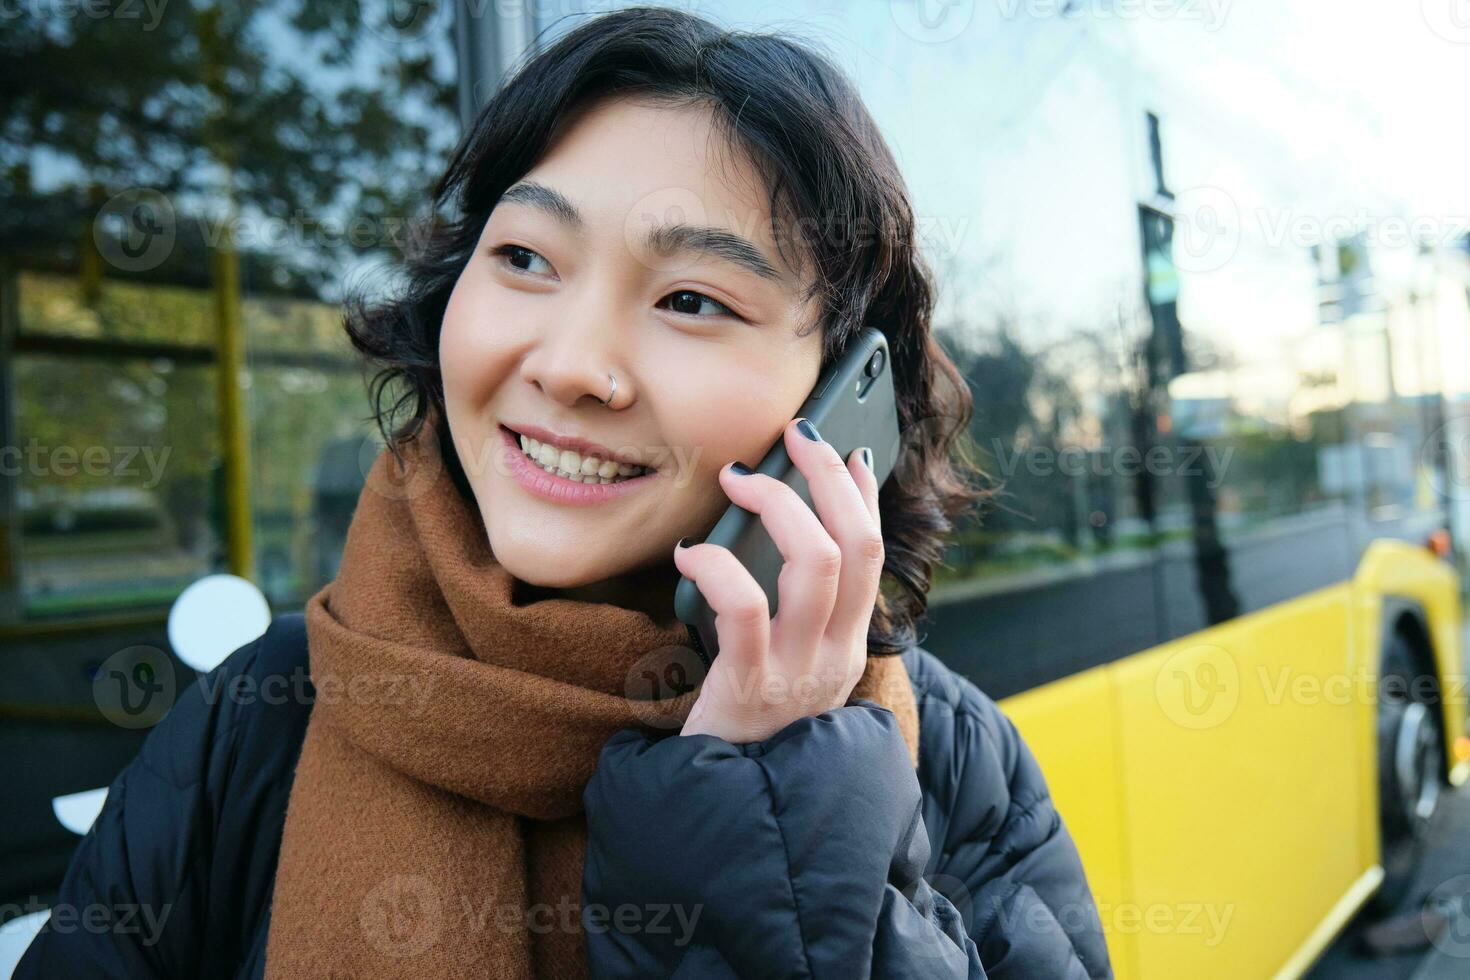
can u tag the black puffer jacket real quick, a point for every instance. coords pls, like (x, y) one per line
(815, 853)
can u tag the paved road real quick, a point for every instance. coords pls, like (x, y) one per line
(1443, 885)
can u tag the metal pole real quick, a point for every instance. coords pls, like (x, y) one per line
(487, 44)
(234, 446)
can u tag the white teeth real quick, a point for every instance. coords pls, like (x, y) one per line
(576, 467)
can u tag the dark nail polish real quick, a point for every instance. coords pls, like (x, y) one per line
(683, 543)
(739, 468)
(868, 458)
(806, 428)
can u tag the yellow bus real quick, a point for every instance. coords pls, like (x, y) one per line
(1238, 791)
(1219, 359)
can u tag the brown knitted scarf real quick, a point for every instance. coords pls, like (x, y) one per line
(435, 824)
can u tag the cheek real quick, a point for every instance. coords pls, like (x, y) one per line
(456, 336)
(476, 341)
(724, 415)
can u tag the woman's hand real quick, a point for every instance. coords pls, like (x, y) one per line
(771, 672)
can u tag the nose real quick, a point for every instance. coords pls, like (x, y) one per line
(572, 361)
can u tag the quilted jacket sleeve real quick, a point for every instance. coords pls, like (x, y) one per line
(135, 872)
(798, 856)
(998, 847)
(160, 884)
(820, 852)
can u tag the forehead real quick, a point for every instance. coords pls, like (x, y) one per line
(629, 165)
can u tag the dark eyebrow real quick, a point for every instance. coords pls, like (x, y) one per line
(544, 198)
(665, 239)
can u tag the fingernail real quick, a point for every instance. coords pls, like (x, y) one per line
(867, 455)
(806, 428)
(683, 543)
(739, 468)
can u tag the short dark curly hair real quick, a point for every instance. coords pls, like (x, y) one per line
(827, 169)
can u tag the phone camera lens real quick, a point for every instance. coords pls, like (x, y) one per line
(875, 364)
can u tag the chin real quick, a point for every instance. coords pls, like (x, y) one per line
(532, 563)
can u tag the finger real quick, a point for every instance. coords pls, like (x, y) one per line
(867, 482)
(742, 612)
(807, 585)
(842, 505)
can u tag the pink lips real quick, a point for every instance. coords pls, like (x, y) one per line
(558, 488)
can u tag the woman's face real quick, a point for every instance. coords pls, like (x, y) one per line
(699, 326)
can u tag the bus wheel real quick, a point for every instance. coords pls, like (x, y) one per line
(1410, 768)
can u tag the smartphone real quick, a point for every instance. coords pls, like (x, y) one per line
(852, 404)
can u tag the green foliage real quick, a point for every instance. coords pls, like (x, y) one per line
(301, 114)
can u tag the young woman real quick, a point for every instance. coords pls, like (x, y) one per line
(506, 760)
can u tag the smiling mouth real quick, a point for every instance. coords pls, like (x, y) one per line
(577, 467)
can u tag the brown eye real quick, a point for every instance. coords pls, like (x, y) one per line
(688, 303)
(518, 258)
